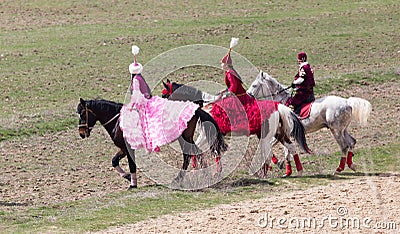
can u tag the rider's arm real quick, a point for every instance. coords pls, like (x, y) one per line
(144, 88)
(298, 81)
(232, 87)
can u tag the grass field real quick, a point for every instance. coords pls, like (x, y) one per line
(54, 52)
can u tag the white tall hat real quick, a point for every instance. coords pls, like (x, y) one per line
(135, 67)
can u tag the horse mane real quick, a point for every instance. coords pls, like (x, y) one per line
(275, 82)
(105, 105)
(186, 93)
(176, 86)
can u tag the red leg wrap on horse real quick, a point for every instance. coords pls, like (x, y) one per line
(342, 164)
(194, 160)
(217, 168)
(349, 158)
(288, 169)
(274, 159)
(296, 159)
(217, 159)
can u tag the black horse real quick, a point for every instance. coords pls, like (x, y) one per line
(107, 113)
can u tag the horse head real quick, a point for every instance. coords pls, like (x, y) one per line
(168, 89)
(261, 87)
(87, 118)
(266, 87)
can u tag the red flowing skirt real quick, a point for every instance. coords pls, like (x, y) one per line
(242, 114)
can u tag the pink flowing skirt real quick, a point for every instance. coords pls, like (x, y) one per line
(151, 123)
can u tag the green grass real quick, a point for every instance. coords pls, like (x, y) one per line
(85, 52)
(38, 128)
(358, 79)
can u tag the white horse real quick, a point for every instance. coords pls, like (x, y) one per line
(332, 112)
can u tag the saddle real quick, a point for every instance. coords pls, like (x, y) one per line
(305, 110)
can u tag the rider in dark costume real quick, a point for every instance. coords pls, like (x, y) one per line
(303, 84)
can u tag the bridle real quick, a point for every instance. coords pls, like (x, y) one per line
(272, 95)
(168, 91)
(86, 125)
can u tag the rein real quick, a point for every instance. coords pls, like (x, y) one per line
(274, 94)
(86, 125)
(109, 121)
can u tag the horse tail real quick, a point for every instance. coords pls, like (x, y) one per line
(213, 134)
(292, 126)
(361, 109)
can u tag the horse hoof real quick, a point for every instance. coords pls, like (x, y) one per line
(300, 173)
(127, 177)
(131, 187)
(287, 175)
(353, 167)
(336, 172)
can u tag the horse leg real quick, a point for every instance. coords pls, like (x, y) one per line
(266, 166)
(132, 169)
(290, 149)
(189, 148)
(287, 162)
(338, 124)
(115, 164)
(267, 155)
(120, 142)
(340, 139)
(185, 149)
(274, 159)
(351, 142)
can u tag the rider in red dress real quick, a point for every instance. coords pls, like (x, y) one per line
(303, 84)
(239, 112)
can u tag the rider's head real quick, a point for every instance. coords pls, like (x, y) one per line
(226, 61)
(301, 57)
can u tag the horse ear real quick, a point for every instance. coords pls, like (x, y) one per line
(168, 81)
(165, 85)
(83, 103)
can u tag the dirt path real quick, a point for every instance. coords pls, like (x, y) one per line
(362, 205)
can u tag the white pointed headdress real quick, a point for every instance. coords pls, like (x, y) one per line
(227, 58)
(135, 67)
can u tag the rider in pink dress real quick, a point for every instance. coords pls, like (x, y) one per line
(303, 83)
(150, 121)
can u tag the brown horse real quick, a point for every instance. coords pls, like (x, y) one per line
(107, 113)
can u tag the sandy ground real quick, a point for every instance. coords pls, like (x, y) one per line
(362, 205)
